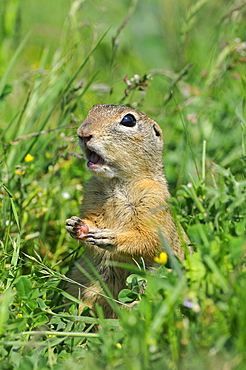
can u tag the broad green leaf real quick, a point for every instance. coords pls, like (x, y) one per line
(23, 287)
(127, 296)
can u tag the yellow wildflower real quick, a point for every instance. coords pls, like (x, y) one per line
(162, 258)
(20, 171)
(51, 335)
(118, 345)
(19, 315)
(28, 158)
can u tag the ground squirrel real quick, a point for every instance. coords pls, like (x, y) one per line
(124, 203)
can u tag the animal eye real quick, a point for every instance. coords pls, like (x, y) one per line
(129, 121)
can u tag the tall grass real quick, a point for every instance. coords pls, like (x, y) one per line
(184, 63)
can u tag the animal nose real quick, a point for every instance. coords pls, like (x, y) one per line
(84, 134)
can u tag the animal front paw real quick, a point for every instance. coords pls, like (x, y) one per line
(102, 238)
(76, 227)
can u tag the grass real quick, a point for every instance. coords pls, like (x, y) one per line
(185, 67)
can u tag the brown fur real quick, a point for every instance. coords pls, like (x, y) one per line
(124, 203)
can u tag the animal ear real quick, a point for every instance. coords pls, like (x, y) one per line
(157, 130)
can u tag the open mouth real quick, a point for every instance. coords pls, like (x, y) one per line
(94, 160)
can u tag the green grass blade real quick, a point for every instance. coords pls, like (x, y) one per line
(12, 62)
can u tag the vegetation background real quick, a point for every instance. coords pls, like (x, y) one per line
(182, 62)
